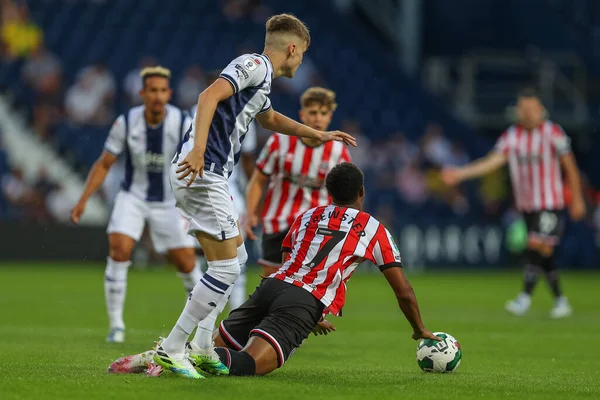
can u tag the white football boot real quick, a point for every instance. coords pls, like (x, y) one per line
(520, 305)
(116, 335)
(561, 308)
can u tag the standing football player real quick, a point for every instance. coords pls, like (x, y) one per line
(205, 159)
(295, 170)
(237, 187)
(148, 136)
(535, 150)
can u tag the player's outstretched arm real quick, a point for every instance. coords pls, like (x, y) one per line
(407, 302)
(93, 182)
(577, 208)
(477, 168)
(193, 164)
(254, 193)
(274, 121)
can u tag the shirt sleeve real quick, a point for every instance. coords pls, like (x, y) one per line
(266, 107)
(267, 159)
(290, 238)
(502, 144)
(115, 142)
(384, 253)
(244, 72)
(249, 143)
(560, 141)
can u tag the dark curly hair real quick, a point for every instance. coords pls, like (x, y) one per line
(344, 183)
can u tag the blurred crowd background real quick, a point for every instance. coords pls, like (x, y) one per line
(420, 85)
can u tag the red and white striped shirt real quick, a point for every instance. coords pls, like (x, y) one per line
(534, 165)
(326, 244)
(297, 179)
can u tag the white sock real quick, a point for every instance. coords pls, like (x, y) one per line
(204, 333)
(115, 288)
(190, 279)
(205, 297)
(238, 293)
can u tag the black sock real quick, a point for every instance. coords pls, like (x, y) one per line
(532, 267)
(530, 278)
(552, 275)
(239, 363)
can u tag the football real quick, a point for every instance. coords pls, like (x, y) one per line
(442, 356)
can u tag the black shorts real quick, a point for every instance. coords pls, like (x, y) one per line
(282, 314)
(271, 249)
(545, 226)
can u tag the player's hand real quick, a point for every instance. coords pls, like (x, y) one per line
(338, 136)
(451, 176)
(323, 328)
(425, 334)
(577, 209)
(77, 212)
(251, 222)
(192, 165)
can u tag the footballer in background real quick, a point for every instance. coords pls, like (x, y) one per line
(148, 136)
(536, 150)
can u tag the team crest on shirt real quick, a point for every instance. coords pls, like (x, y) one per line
(250, 64)
(324, 167)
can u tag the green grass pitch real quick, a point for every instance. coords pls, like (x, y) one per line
(53, 327)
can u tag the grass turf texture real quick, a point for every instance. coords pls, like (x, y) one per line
(53, 327)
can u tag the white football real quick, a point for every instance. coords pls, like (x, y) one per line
(442, 356)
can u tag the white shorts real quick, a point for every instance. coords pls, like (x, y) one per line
(168, 229)
(206, 204)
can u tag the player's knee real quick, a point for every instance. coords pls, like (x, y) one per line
(225, 272)
(120, 252)
(184, 259)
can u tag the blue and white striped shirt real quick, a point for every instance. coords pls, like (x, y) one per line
(148, 151)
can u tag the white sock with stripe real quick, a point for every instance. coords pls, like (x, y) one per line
(115, 289)
(203, 336)
(205, 297)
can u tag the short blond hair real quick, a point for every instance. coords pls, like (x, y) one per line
(150, 72)
(319, 96)
(288, 23)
